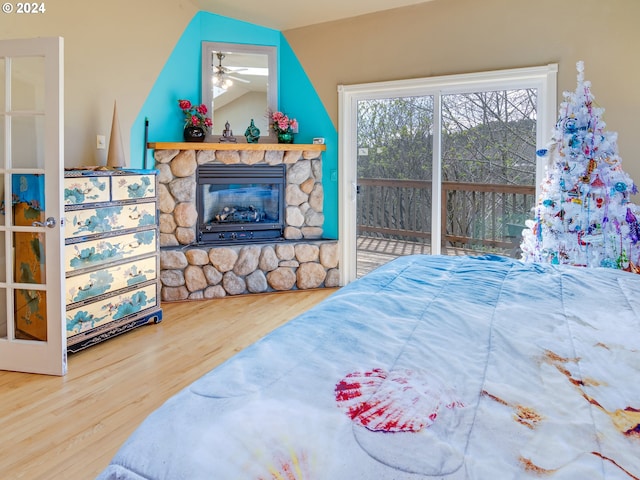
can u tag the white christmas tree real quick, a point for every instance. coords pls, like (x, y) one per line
(584, 215)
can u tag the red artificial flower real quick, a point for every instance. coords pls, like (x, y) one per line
(195, 115)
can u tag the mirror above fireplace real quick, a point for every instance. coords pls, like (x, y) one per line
(239, 84)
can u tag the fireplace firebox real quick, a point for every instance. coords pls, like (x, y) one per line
(240, 203)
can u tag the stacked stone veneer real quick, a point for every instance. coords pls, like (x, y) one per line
(189, 271)
(200, 273)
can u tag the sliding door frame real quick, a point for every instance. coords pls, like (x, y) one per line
(543, 78)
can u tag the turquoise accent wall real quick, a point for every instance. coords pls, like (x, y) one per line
(181, 78)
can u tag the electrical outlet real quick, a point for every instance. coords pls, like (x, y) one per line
(101, 142)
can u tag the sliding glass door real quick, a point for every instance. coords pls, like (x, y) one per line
(441, 165)
(394, 169)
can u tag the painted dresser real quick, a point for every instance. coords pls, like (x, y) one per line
(111, 253)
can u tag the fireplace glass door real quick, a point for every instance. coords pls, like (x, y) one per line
(240, 203)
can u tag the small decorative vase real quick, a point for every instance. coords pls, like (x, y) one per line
(285, 137)
(193, 134)
(252, 133)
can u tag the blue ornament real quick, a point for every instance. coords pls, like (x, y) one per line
(608, 263)
(570, 126)
(542, 152)
(575, 142)
(620, 187)
(548, 203)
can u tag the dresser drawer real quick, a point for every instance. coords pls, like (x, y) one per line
(95, 253)
(106, 280)
(86, 189)
(111, 309)
(107, 219)
(129, 187)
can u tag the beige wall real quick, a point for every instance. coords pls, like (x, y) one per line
(460, 36)
(114, 51)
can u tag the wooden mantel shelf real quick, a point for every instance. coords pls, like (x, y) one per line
(234, 146)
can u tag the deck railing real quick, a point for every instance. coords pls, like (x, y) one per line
(481, 217)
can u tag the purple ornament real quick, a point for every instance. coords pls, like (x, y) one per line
(630, 217)
(634, 228)
(616, 223)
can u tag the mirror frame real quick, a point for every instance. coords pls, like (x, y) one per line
(272, 80)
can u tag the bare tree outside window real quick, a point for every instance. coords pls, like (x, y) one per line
(490, 137)
(397, 136)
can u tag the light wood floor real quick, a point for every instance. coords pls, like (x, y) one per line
(70, 427)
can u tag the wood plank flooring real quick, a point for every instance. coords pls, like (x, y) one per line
(70, 427)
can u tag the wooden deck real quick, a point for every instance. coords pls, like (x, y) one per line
(373, 252)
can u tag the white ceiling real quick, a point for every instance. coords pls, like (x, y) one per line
(287, 14)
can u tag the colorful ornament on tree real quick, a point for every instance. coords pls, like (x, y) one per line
(584, 215)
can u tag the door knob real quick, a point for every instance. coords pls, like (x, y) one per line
(49, 222)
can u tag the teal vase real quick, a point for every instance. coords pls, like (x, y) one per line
(285, 137)
(252, 133)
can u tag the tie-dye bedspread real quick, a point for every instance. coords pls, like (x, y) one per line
(429, 367)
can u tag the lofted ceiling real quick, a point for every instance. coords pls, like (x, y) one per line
(285, 14)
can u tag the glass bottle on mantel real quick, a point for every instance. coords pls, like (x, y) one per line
(252, 133)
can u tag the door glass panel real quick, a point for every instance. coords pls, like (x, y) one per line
(3, 262)
(28, 207)
(29, 255)
(27, 84)
(2, 134)
(3, 318)
(2, 109)
(395, 152)
(3, 203)
(488, 170)
(27, 154)
(2, 84)
(31, 314)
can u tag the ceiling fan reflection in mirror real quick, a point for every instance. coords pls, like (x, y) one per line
(221, 75)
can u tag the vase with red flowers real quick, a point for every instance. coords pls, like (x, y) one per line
(196, 122)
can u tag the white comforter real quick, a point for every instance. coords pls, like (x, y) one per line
(429, 367)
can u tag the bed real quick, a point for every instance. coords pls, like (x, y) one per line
(428, 367)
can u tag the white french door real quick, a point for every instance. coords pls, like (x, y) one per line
(32, 333)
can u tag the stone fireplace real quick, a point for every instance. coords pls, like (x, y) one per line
(201, 257)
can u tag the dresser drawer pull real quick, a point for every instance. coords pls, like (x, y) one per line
(88, 286)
